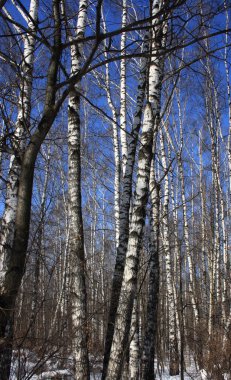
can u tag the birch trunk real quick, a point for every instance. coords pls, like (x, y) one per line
(123, 91)
(177, 256)
(227, 72)
(192, 285)
(203, 215)
(227, 283)
(116, 146)
(78, 294)
(134, 349)
(9, 217)
(22, 127)
(173, 345)
(214, 125)
(215, 254)
(124, 312)
(125, 201)
(155, 76)
(187, 243)
(220, 274)
(148, 355)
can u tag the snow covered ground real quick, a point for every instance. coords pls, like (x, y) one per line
(65, 374)
(190, 374)
(51, 370)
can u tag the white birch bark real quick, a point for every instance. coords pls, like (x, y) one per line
(187, 243)
(227, 283)
(78, 296)
(217, 282)
(126, 193)
(123, 317)
(116, 146)
(127, 289)
(177, 253)
(17, 255)
(229, 100)
(178, 283)
(214, 259)
(221, 270)
(134, 349)
(203, 227)
(173, 347)
(19, 142)
(93, 260)
(123, 91)
(148, 354)
(192, 286)
(102, 270)
(221, 274)
(158, 39)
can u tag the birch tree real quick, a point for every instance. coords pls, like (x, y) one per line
(76, 238)
(123, 318)
(173, 344)
(22, 127)
(116, 145)
(126, 193)
(77, 247)
(148, 355)
(123, 123)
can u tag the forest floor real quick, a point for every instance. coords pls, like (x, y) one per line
(190, 374)
(53, 371)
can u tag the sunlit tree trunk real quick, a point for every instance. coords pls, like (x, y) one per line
(78, 294)
(173, 345)
(20, 134)
(19, 142)
(134, 348)
(215, 253)
(192, 285)
(116, 145)
(126, 193)
(127, 291)
(227, 269)
(177, 257)
(203, 227)
(187, 243)
(124, 313)
(148, 355)
(123, 91)
(222, 258)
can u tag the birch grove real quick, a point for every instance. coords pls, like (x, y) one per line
(115, 175)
